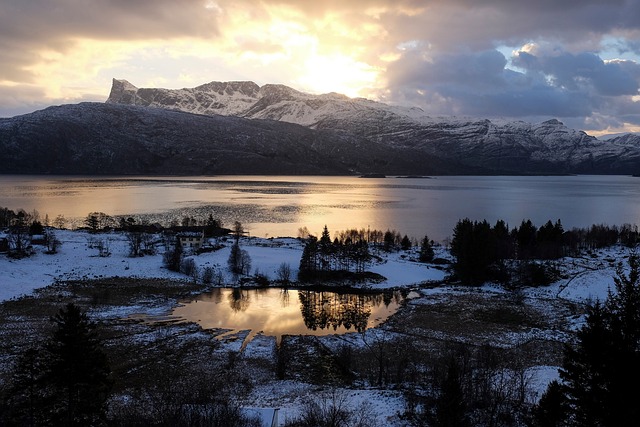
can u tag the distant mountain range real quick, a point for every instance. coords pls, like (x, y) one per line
(242, 128)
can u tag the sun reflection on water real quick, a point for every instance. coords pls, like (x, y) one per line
(277, 312)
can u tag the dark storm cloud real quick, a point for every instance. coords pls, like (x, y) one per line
(585, 70)
(479, 83)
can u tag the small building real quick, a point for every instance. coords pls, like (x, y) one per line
(191, 240)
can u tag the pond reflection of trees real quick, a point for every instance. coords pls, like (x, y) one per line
(239, 299)
(324, 310)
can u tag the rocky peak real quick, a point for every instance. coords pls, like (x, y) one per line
(122, 92)
(245, 88)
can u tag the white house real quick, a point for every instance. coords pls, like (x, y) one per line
(190, 240)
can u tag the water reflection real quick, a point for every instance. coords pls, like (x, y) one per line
(279, 205)
(277, 312)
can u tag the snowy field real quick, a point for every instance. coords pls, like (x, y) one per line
(584, 279)
(76, 259)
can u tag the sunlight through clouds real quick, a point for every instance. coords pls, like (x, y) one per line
(336, 73)
(576, 63)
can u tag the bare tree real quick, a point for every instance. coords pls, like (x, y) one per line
(134, 238)
(284, 273)
(52, 241)
(59, 222)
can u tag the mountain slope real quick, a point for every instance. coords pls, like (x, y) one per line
(478, 145)
(97, 138)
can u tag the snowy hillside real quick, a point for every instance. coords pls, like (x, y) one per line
(481, 145)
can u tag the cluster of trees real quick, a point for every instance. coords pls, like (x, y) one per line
(481, 249)
(601, 369)
(69, 381)
(25, 227)
(324, 256)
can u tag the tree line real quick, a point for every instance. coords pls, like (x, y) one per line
(482, 250)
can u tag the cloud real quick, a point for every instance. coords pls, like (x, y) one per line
(446, 56)
(29, 28)
(539, 81)
(587, 70)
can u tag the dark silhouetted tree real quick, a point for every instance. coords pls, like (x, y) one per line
(172, 258)
(239, 261)
(67, 381)
(451, 410)
(78, 370)
(551, 410)
(405, 243)
(600, 372)
(426, 250)
(473, 246)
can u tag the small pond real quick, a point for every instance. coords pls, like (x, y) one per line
(277, 311)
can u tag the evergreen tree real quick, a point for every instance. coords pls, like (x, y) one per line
(526, 237)
(601, 371)
(326, 250)
(504, 242)
(426, 250)
(308, 259)
(68, 382)
(79, 368)
(451, 410)
(26, 394)
(389, 241)
(473, 246)
(405, 243)
(551, 411)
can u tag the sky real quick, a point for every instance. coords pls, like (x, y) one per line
(574, 60)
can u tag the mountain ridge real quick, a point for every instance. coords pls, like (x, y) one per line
(277, 130)
(511, 147)
(101, 138)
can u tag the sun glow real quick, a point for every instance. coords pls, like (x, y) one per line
(336, 73)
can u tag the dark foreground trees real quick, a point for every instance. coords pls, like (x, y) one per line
(67, 381)
(601, 370)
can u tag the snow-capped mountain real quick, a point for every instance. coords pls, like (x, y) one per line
(481, 145)
(100, 138)
(242, 128)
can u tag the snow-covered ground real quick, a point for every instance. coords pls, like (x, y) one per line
(76, 259)
(584, 279)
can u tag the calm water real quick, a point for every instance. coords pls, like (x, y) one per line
(277, 312)
(270, 206)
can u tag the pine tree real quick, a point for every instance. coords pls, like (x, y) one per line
(451, 410)
(326, 250)
(601, 371)
(405, 243)
(26, 394)
(426, 250)
(551, 411)
(308, 260)
(77, 371)
(65, 382)
(473, 245)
